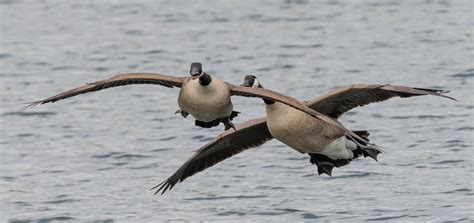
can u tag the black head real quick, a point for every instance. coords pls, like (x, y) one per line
(196, 69)
(251, 81)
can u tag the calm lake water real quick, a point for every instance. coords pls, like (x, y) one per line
(93, 158)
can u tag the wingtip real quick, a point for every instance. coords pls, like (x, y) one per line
(29, 105)
(438, 92)
(162, 187)
(445, 96)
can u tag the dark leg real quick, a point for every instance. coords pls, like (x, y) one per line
(183, 113)
(227, 123)
(326, 164)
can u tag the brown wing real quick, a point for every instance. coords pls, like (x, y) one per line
(292, 102)
(343, 99)
(119, 80)
(250, 134)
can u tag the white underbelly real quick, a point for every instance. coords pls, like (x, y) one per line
(304, 133)
(205, 103)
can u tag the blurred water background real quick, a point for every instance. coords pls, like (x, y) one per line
(93, 158)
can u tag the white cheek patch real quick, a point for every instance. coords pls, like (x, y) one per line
(255, 83)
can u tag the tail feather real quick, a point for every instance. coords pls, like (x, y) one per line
(364, 148)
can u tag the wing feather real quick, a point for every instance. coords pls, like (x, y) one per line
(341, 100)
(250, 134)
(116, 81)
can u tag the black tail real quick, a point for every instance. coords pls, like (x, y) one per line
(326, 164)
(363, 146)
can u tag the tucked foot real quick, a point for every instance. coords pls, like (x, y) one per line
(183, 113)
(326, 164)
(228, 124)
(233, 115)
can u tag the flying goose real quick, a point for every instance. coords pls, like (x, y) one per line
(328, 147)
(206, 98)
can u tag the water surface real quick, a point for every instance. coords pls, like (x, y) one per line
(94, 157)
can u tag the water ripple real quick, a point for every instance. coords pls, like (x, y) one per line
(387, 218)
(227, 197)
(26, 114)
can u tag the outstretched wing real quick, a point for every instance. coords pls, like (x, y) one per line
(343, 99)
(119, 80)
(250, 134)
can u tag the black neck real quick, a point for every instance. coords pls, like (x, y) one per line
(268, 102)
(205, 79)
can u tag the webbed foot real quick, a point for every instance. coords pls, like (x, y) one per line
(228, 124)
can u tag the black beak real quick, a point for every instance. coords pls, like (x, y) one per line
(195, 71)
(246, 83)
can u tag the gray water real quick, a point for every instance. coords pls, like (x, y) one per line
(94, 157)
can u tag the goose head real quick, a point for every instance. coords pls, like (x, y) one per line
(251, 81)
(196, 70)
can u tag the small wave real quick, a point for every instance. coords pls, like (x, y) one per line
(134, 32)
(167, 138)
(246, 58)
(5, 55)
(289, 210)
(230, 213)
(101, 69)
(287, 55)
(355, 174)
(24, 135)
(419, 117)
(22, 203)
(161, 149)
(294, 46)
(270, 188)
(42, 220)
(353, 71)
(297, 158)
(23, 113)
(105, 155)
(387, 218)
(130, 156)
(148, 166)
(61, 201)
(119, 155)
(464, 74)
(310, 216)
(448, 161)
(60, 68)
(226, 197)
(8, 178)
(154, 51)
(469, 128)
(458, 190)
